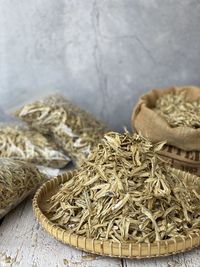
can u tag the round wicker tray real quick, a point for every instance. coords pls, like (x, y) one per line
(108, 248)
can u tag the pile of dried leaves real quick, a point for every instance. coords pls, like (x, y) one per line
(17, 180)
(125, 192)
(74, 130)
(177, 111)
(23, 144)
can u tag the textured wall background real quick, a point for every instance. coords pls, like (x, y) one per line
(101, 53)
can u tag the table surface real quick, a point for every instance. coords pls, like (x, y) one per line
(23, 243)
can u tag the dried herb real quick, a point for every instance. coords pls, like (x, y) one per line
(125, 192)
(24, 144)
(178, 111)
(17, 180)
(74, 130)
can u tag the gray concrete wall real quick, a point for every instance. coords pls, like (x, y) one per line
(102, 53)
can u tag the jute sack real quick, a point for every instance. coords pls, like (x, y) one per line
(183, 143)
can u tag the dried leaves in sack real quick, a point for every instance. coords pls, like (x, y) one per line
(74, 130)
(18, 179)
(18, 142)
(172, 114)
(178, 111)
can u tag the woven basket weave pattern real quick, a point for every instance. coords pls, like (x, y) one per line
(108, 248)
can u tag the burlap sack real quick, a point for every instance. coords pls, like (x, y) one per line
(188, 161)
(183, 143)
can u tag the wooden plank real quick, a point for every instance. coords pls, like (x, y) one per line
(23, 243)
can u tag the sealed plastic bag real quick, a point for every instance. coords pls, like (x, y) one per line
(18, 179)
(73, 129)
(172, 114)
(21, 143)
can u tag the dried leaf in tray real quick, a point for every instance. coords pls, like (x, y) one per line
(18, 179)
(20, 143)
(178, 111)
(74, 130)
(126, 192)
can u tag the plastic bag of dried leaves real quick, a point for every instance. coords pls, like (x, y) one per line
(21, 143)
(172, 114)
(18, 179)
(126, 192)
(73, 129)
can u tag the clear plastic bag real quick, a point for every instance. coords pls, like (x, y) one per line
(21, 143)
(73, 129)
(18, 179)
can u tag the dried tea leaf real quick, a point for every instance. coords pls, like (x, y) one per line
(74, 130)
(17, 180)
(125, 192)
(20, 143)
(177, 111)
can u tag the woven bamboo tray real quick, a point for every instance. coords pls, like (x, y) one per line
(108, 248)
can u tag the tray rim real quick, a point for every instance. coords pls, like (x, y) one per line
(129, 250)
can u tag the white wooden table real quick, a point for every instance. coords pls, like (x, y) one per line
(23, 243)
